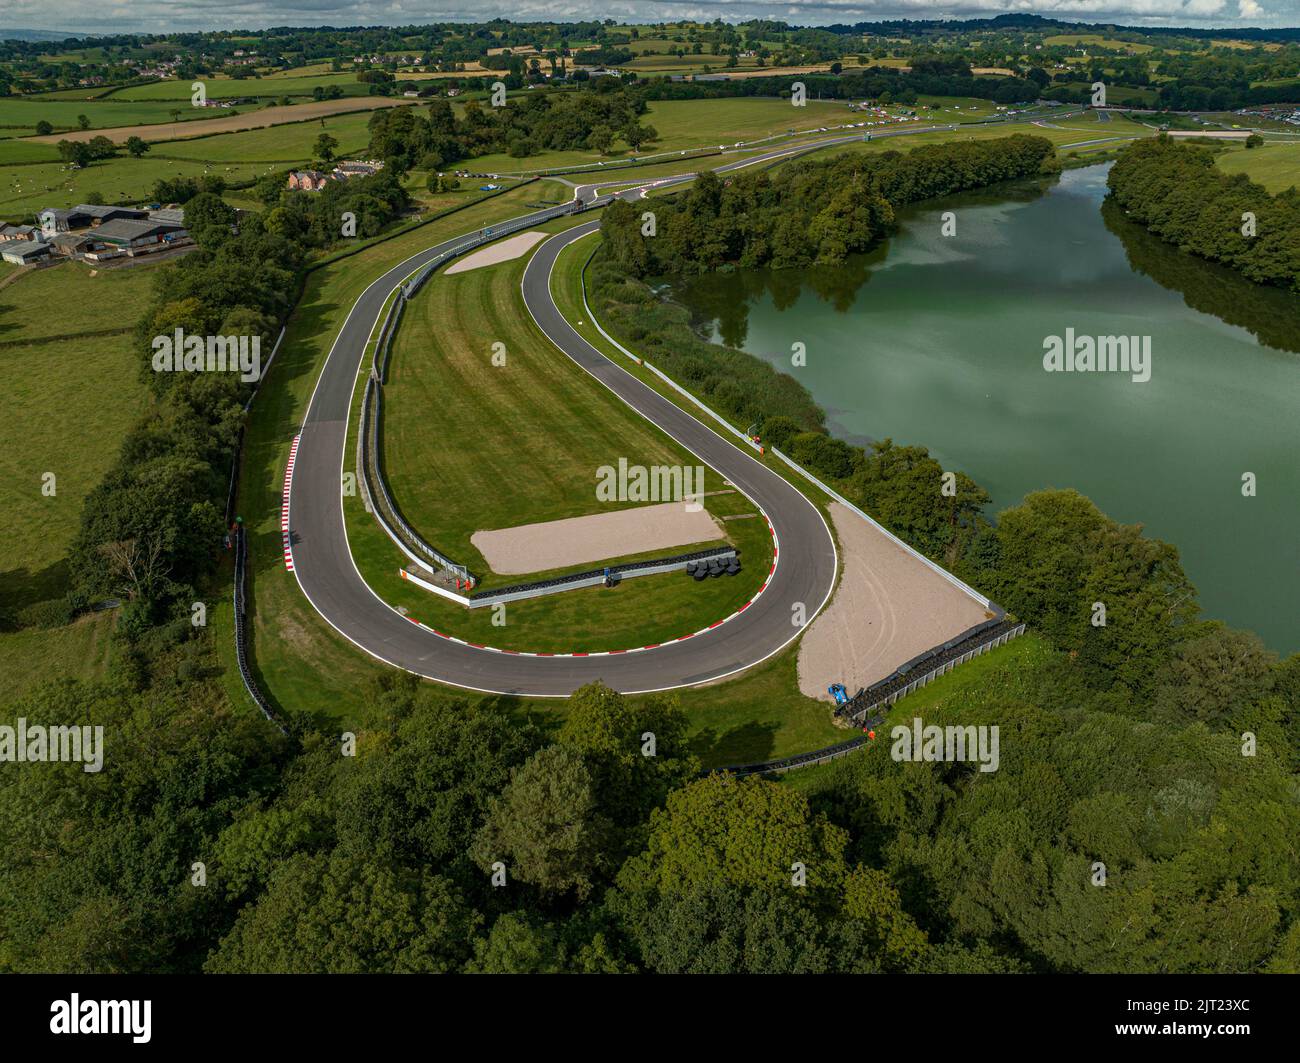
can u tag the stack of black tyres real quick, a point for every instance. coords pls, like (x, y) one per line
(713, 566)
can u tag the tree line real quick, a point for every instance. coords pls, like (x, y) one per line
(535, 123)
(812, 212)
(464, 838)
(1179, 194)
(151, 532)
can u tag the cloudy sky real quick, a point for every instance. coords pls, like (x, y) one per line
(157, 16)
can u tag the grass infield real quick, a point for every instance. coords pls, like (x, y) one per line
(471, 445)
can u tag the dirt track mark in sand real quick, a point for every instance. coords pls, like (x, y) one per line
(887, 609)
(503, 251)
(231, 123)
(583, 540)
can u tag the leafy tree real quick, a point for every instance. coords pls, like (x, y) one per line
(546, 826)
(424, 800)
(610, 732)
(324, 148)
(601, 139)
(336, 915)
(209, 218)
(722, 928)
(1214, 677)
(747, 832)
(518, 943)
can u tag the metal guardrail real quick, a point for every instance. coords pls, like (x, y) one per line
(376, 489)
(379, 360)
(937, 662)
(594, 577)
(868, 707)
(802, 760)
(241, 634)
(239, 439)
(370, 469)
(487, 236)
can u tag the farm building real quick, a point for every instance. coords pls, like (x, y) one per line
(84, 215)
(25, 252)
(130, 237)
(17, 232)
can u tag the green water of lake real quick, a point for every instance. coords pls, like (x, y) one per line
(938, 341)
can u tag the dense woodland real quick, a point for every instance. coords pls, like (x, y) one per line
(534, 123)
(1177, 192)
(810, 212)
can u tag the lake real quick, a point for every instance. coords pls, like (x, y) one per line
(938, 340)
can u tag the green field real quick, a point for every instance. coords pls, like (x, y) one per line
(1097, 40)
(1275, 166)
(242, 88)
(1117, 95)
(30, 657)
(1063, 138)
(666, 63)
(290, 143)
(18, 116)
(702, 123)
(122, 179)
(73, 390)
(21, 152)
(685, 125)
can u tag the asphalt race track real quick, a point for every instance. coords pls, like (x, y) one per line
(327, 574)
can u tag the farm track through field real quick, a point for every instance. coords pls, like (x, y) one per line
(231, 123)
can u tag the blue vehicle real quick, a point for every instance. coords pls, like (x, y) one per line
(839, 693)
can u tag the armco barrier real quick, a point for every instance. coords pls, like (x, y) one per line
(492, 234)
(241, 634)
(378, 498)
(615, 166)
(380, 502)
(578, 580)
(921, 671)
(867, 710)
(802, 760)
(627, 570)
(239, 439)
(379, 361)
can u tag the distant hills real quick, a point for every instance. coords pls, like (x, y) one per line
(34, 35)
